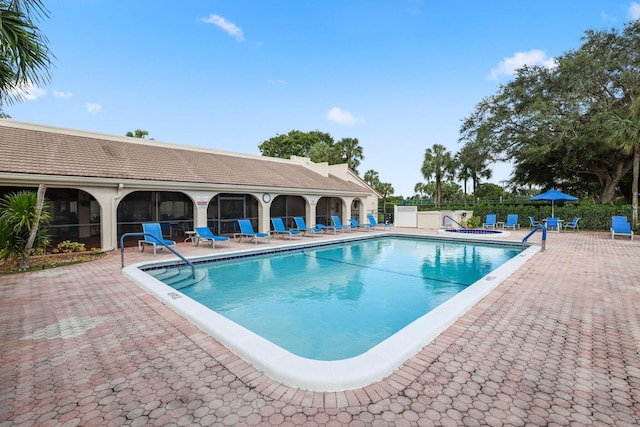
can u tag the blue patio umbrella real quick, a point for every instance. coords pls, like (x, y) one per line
(554, 196)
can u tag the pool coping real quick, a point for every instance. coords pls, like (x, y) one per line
(347, 374)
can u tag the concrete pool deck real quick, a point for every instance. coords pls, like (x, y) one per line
(557, 343)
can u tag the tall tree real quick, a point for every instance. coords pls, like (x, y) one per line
(473, 162)
(437, 163)
(372, 178)
(420, 189)
(386, 190)
(294, 143)
(25, 58)
(322, 152)
(550, 121)
(349, 151)
(625, 134)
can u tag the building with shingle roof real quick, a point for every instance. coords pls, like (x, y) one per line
(101, 186)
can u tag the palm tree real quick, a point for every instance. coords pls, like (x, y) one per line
(350, 152)
(20, 215)
(438, 163)
(464, 174)
(386, 189)
(625, 134)
(419, 189)
(372, 178)
(24, 55)
(473, 164)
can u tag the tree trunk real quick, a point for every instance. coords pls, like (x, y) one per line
(634, 189)
(609, 182)
(34, 228)
(465, 192)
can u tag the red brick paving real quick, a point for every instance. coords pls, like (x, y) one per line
(558, 343)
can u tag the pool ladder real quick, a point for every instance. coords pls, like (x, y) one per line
(544, 235)
(447, 216)
(173, 251)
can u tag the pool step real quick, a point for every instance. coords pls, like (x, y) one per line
(178, 278)
(163, 274)
(184, 279)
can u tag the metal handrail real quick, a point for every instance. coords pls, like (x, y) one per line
(536, 228)
(447, 216)
(186, 261)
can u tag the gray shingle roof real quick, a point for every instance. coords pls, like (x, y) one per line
(40, 150)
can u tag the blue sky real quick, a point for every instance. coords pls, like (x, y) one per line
(398, 75)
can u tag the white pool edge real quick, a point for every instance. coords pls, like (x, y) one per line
(360, 371)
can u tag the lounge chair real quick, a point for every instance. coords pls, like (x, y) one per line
(573, 224)
(246, 230)
(278, 228)
(553, 222)
(338, 224)
(204, 233)
(490, 221)
(620, 225)
(155, 239)
(358, 226)
(533, 223)
(301, 226)
(373, 223)
(327, 228)
(512, 222)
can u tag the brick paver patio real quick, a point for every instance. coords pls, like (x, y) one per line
(558, 343)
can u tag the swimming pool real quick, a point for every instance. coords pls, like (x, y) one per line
(351, 266)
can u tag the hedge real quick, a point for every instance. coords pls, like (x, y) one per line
(592, 217)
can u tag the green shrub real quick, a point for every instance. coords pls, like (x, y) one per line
(68, 246)
(18, 215)
(592, 216)
(473, 222)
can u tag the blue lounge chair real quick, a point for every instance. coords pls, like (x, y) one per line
(533, 223)
(203, 233)
(301, 226)
(620, 225)
(358, 226)
(573, 224)
(155, 239)
(278, 228)
(327, 227)
(490, 221)
(246, 230)
(338, 224)
(553, 222)
(373, 223)
(512, 222)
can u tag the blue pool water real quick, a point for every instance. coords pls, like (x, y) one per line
(338, 301)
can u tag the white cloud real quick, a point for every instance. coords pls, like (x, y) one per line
(341, 117)
(508, 66)
(60, 94)
(634, 11)
(273, 82)
(229, 27)
(28, 92)
(92, 108)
